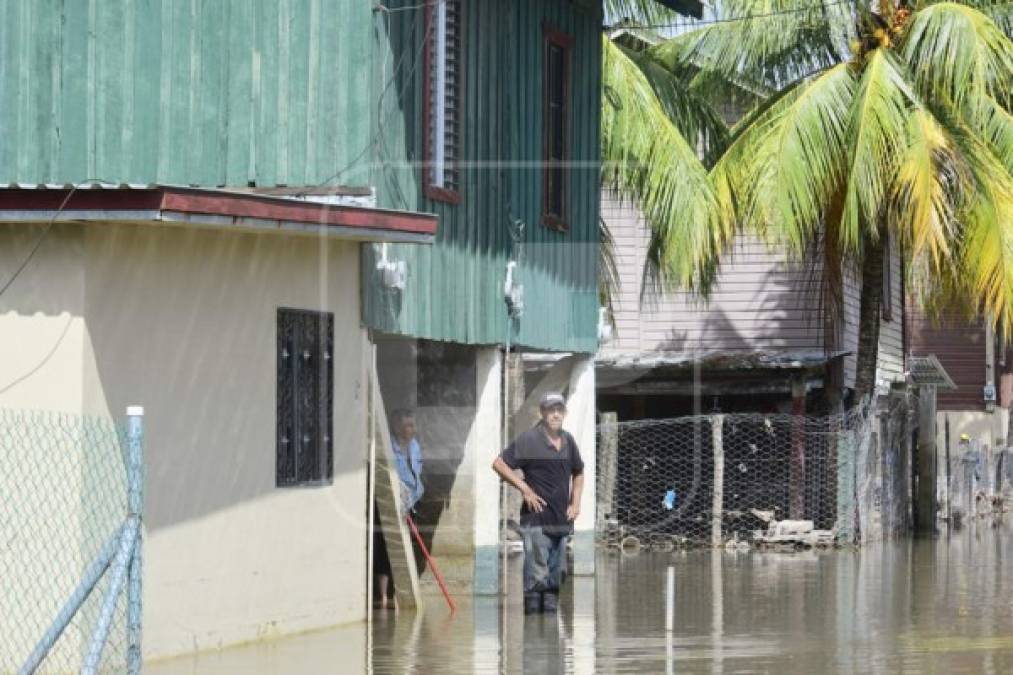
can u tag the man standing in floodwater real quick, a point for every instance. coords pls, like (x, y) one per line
(551, 486)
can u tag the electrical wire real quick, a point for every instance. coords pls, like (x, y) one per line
(381, 138)
(45, 233)
(406, 8)
(372, 140)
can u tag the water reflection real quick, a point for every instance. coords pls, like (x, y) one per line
(940, 606)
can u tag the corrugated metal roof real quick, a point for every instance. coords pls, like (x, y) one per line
(927, 371)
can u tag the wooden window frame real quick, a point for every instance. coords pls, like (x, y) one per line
(431, 191)
(564, 41)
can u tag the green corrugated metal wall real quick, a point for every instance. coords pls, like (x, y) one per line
(455, 288)
(200, 92)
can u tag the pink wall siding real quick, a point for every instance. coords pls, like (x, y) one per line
(759, 303)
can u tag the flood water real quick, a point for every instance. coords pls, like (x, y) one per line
(926, 606)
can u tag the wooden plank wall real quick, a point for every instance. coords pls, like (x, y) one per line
(760, 303)
(959, 344)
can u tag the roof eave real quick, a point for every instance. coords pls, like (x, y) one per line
(215, 209)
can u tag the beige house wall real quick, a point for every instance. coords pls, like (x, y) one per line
(183, 321)
(42, 332)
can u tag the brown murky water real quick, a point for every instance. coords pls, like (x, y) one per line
(939, 606)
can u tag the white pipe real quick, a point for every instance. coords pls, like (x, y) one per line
(670, 601)
(670, 623)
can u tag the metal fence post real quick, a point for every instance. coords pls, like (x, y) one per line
(717, 510)
(118, 574)
(135, 509)
(88, 582)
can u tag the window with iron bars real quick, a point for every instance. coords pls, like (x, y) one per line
(305, 415)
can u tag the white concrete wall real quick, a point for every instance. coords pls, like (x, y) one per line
(183, 322)
(484, 443)
(42, 327)
(581, 421)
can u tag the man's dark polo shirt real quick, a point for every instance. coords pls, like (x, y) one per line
(548, 472)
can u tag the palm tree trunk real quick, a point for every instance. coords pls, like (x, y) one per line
(868, 317)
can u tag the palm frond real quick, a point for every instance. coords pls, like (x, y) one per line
(995, 127)
(646, 158)
(608, 270)
(786, 163)
(697, 122)
(959, 54)
(766, 43)
(878, 123)
(928, 182)
(983, 277)
(1000, 11)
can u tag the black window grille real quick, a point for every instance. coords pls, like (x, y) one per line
(305, 419)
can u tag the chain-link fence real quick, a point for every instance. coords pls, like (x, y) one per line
(63, 507)
(711, 479)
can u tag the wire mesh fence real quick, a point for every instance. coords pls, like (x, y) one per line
(63, 498)
(715, 479)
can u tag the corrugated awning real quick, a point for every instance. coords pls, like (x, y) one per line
(215, 208)
(928, 371)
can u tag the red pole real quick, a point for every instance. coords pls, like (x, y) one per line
(432, 566)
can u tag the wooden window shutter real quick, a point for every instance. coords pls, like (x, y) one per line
(443, 101)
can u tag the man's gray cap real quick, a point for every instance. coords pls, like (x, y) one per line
(551, 399)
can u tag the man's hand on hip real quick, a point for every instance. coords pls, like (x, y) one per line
(534, 502)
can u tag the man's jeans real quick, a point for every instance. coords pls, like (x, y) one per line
(544, 560)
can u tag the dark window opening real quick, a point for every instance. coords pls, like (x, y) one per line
(446, 375)
(305, 417)
(556, 129)
(442, 86)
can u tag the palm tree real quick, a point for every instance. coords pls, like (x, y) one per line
(875, 122)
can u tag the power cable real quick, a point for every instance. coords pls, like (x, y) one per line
(370, 142)
(45, 232)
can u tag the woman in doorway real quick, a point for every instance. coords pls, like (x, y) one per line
(408, 460)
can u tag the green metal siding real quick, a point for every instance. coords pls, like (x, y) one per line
(455, 288)
(199, 92)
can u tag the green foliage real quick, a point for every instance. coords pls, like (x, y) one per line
(893, 121)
